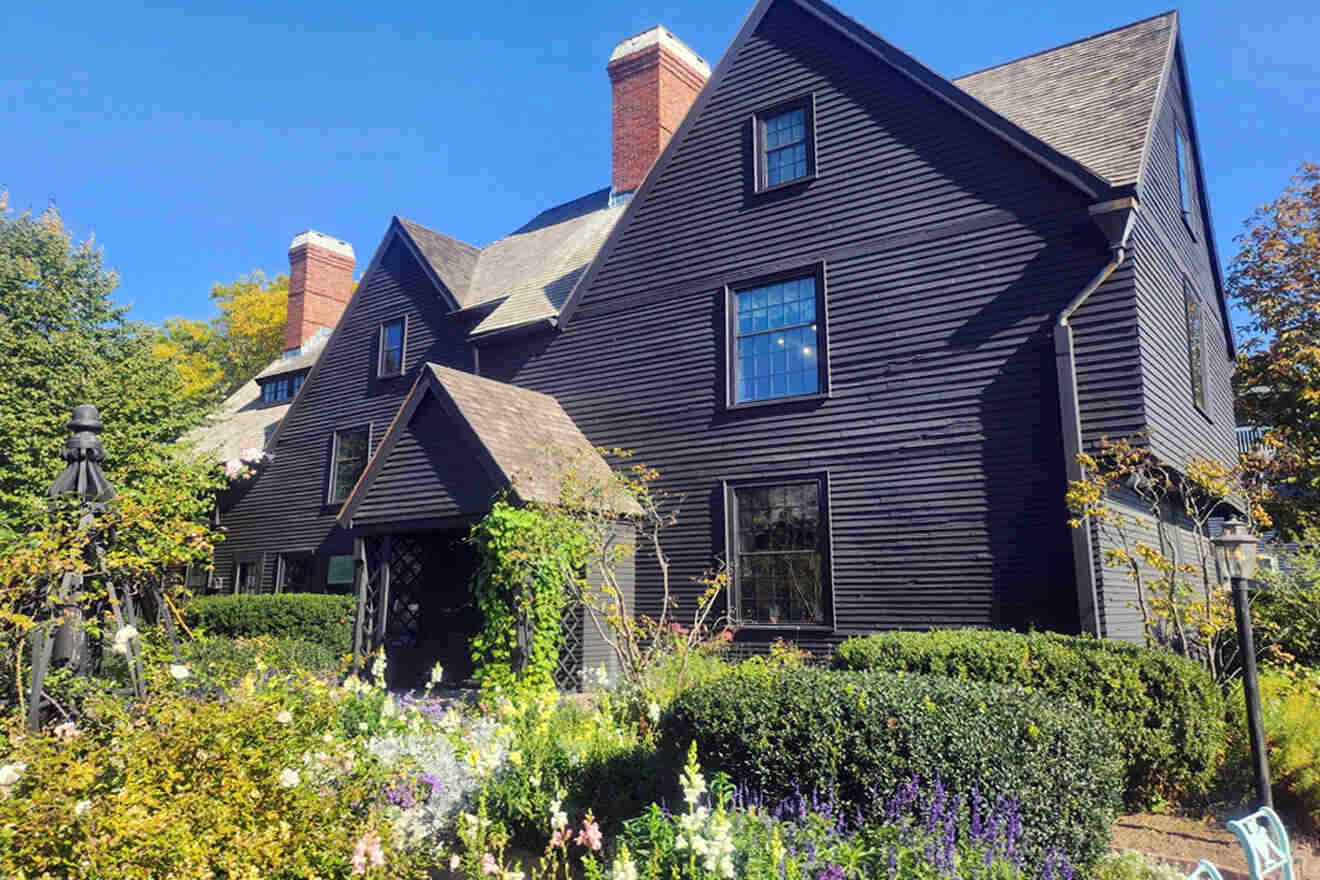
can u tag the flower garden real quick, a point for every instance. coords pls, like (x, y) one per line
(938, 755)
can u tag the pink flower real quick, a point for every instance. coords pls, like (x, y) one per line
(557, 840)
(454, 862)
(589, 836)
(367, 853)
(488, 865)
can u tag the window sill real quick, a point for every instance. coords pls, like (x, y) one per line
(788, 184)
(784, 627)
(772, 401)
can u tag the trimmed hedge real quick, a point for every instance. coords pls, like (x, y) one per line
(322, 618)
(1165, 710)
(787, 731)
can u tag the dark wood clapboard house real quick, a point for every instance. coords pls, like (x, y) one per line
(860, 314)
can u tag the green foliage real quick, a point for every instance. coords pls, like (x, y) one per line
(1275, 278)
(858, 733)
(1286, 614)
(1164, 710)
(320, 618)
(1132, 865)
(220, 661)
(256, 785)
(1290, 709)
(524, 557)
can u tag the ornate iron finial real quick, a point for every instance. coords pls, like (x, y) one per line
(83, 453)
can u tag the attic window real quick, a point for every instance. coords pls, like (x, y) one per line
(391, 346)
(785, 143)
(1184, 160)
(281, 388)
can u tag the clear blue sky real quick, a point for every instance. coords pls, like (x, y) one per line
(195, 144)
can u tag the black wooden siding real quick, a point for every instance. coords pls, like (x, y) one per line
(433, 472)
(948, 256)
(1165, 250)
(285, 510)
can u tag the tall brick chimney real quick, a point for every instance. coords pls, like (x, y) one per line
(320, 283)
(655, 79)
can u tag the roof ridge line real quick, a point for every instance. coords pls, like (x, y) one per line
(1095, 36)
(403, 219)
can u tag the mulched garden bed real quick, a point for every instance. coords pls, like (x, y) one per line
(1180, 842)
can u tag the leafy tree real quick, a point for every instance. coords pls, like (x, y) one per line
(214, 358)
(1275, 276)
(251, 323)
(63, 341)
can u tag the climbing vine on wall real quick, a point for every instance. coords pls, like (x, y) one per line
(520, 587)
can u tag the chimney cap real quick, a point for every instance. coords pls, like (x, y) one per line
(321, 240)
(660, 35)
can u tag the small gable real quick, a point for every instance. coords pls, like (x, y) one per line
(431, 472)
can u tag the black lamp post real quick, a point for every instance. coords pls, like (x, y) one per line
(1238, 550)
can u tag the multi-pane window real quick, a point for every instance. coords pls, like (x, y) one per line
(348, 461)
(785, 147)
(246, 577)
(784, 140)
(1195, 344)
(391, 348)
(282, 388)
(776, 341)
(778, 533)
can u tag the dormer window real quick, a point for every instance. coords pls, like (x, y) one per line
(281, 389)
(391, 345)
(785, 139)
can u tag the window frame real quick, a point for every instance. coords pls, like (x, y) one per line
(402, 321)
(760, 170)
(334, 461)
(1197, 378)
(287, 383)
(257, 561)
(816, 271)
(282, 563)
(1182, 161)
(825, 548)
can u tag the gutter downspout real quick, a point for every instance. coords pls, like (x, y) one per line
(1115, 218)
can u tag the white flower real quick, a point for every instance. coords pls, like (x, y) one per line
(378, 669)
(66, 731)
(285, 717)
(80, 808)
(602, 677)
(388, 710)
(11, 773)
(123, 637)
(454, 862)
(558, 818)
(327, 737)
(179, 672)
(623, 868)
(233, 467)
(653, 712)
(437, 674)
(289, 778)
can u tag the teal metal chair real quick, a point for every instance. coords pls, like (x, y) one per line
(1265, 842)
(1205, 871)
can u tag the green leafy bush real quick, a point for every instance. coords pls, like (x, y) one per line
(323, 618)
(259, 784)
(1132, 865)
(1165, 710)
(856, 734)
(1287, 613)
(1290, 709)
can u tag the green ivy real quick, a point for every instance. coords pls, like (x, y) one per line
(524, 557)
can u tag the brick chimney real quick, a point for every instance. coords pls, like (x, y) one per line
(320, 282)
(654, 79)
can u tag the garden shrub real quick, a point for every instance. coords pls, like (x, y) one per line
(1290, 710)
(323, 618)
(259, 784)
(1165, 710)
(856, 734)
(1132, 865)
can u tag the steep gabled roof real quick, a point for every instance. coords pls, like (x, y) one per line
(452, 260)
(524, 438)
(1093, 99)
(241, 423)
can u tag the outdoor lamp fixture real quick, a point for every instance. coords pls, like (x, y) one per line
(1237, 546)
